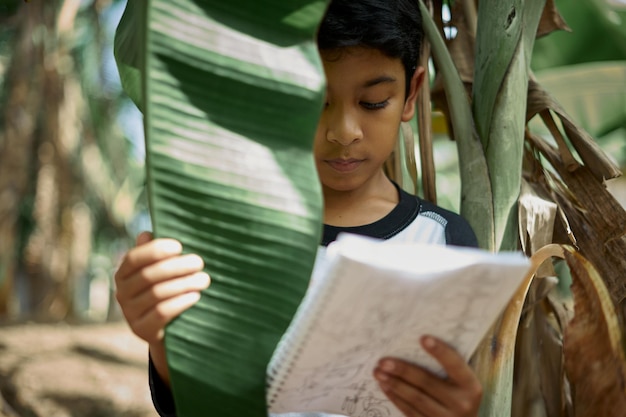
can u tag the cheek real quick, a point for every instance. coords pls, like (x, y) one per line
(383, 128)
(318, 140)
(320, 136)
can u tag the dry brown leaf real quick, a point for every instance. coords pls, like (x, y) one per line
(494, 356)
(597, 220)
(556, 386)
(539, 101)
(537, 215)
(593, 345)
(540, 386)
(462, 46)
(551, 20)
(461, 49)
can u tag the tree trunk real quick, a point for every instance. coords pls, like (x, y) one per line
(24, 81)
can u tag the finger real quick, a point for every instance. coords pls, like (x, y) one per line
(406, 408)
(143, 238)
(413, 375)
(158, 293)
(150, 326)
(176, 267)
(412, 385)
(455, 366)
(466, 398)
(145, 255)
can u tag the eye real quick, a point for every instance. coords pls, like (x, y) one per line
(374, 106)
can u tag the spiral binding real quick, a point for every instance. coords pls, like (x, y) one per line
(293, 341)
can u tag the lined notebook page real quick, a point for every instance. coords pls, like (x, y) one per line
(376, 299)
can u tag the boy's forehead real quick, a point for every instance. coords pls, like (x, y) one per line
(369, 65)
(357, 52)
(358, 55)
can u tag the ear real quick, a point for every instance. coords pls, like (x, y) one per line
(416, 84)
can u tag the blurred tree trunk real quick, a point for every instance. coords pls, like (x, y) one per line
(23, 87)
(30, 161)
(68, 189)
(45, 239)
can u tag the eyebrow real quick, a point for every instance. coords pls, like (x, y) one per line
(379, 80)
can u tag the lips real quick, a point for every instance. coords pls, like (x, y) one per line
(344, 165)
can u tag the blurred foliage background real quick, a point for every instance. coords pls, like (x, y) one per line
(71, 143)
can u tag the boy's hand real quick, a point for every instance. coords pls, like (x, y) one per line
(418, 392)
(155, 283)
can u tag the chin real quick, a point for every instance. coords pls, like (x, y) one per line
(340, 186)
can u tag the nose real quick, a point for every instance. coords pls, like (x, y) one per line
(342, 125)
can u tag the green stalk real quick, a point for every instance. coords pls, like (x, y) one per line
(504, 41)
(476, 197)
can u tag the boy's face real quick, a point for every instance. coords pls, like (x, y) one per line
(365, 104)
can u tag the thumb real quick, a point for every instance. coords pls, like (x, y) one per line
(143, 238)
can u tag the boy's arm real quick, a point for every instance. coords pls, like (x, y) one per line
(158, 361)
(162, 397)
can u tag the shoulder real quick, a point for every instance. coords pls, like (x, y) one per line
(458, 232)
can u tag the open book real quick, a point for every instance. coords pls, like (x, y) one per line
(372, 298)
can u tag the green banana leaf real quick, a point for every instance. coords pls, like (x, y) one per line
(8, 7)
(231, 92)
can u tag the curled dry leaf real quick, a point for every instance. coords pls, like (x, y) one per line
(551, 20)
(597, 220)
(537, 215)
(539, 102)
(493, 359)
(539, 381)
(593, 345)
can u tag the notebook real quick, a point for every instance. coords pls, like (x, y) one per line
(373, 298)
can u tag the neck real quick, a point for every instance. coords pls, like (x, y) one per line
(362, 206)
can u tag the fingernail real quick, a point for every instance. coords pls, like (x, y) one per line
(381, 376)
(171, 246)
(387, 366)
(429, 342)
(204, 278)
(194, 297)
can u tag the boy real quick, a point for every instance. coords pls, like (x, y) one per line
(370, 50)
